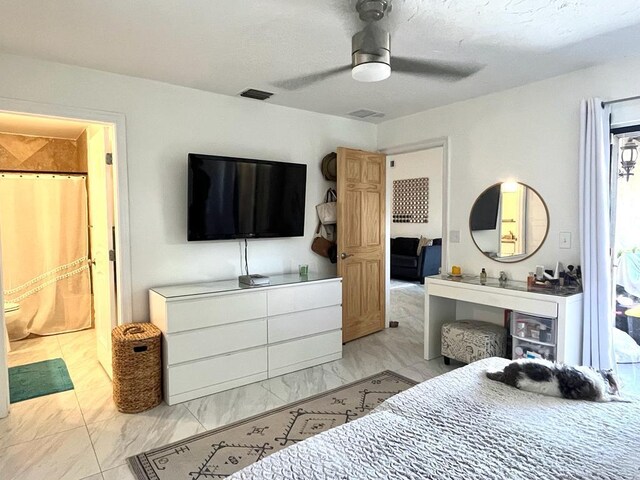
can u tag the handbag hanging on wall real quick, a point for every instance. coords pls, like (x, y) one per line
(321, 245)
(327, 211)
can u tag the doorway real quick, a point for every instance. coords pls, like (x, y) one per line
(61, 226)
(416, 185)
(626, 258)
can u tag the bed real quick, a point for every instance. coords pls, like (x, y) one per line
(463, 426)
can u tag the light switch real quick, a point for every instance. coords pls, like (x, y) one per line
(565, 239)
(454, 236)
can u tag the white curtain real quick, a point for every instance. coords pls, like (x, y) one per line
(595, 234)
(44, 253)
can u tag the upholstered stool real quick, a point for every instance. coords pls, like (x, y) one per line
(471, 340)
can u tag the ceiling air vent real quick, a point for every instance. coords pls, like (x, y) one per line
(364, 113)
(256, 94)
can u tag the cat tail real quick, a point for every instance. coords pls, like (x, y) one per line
(497, 375)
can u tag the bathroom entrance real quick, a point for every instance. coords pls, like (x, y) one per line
(58, 237)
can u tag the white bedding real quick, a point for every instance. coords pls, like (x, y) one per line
(463, 426)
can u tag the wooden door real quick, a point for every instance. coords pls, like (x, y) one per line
(101, 236)
(361, 241)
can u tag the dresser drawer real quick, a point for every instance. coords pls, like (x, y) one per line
(211, 371)
(211, 311)
(208, 342)
(304, 297)
(300, 324)
(303, 351)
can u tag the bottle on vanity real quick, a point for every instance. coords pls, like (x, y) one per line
(483, 277)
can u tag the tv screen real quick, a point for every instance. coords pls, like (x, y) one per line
(242, 198)
(484, 214)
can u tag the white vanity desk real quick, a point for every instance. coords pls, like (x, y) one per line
(449, 299)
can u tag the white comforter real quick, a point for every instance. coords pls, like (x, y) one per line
(463, 426)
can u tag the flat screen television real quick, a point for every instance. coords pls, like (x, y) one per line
(243, 198)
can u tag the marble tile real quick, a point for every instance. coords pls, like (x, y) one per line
(87, 374)
(97, 476)
(426, 369)
(358, 363)
(397, 283)
(119, 473)
(232, 405)
(399, 311)
(410, 297)
(78, 346)
(393, 347)
(416, 324)
(97, 404)
(304, 383)
(34, 349)
(120, 437)
(40, 417)
(63, 456)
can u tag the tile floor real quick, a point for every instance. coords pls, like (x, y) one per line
(80, 435)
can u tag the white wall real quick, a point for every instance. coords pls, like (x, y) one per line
(165, 123)
(530, 134)
(424, 163)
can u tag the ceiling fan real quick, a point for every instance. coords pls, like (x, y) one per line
(371, 59)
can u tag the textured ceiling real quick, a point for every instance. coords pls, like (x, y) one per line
(227, 46)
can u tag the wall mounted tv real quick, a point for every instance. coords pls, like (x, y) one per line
(242, 198)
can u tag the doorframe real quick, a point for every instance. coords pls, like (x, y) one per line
(124, 297)
(442, 142)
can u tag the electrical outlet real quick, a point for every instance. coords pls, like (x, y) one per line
(565, 240)
(454, 236)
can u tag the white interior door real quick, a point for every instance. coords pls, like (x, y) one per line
(101, 220)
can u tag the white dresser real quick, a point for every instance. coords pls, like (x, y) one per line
(221, 335)
(449, 299)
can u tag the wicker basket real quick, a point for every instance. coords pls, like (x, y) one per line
(137, 371)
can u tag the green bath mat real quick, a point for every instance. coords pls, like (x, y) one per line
(38, 379)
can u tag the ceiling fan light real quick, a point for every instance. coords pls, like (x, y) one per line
(371, 72)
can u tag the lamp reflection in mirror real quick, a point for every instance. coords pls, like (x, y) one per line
(628, 157)
(509, 222)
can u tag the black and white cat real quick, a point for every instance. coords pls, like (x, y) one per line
(558, 380)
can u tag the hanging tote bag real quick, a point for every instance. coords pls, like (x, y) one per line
(327, 211)
(321, 245)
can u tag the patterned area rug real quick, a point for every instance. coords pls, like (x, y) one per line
(226, 450)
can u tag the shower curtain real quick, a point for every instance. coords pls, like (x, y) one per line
(45, 247)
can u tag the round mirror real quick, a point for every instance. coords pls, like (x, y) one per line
(509, 222)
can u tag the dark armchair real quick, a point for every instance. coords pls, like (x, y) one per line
(408, 265)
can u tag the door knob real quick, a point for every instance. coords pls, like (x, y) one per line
(345, 255)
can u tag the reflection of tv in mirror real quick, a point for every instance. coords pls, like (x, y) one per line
(484, 215)
(509, 221)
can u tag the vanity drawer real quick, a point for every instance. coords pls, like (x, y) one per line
(495, 298)
(209, 342)
(300, 324)
(211, 311)
(302, 352)
(304, 297)
(211, 371)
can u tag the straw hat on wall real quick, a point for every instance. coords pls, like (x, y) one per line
(329, 166)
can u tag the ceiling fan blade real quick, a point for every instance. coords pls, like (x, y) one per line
(434, 68)
(306, 80)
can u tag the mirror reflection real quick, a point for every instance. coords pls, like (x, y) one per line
(509, 222)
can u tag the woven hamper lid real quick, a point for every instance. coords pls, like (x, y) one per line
(135, 332)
